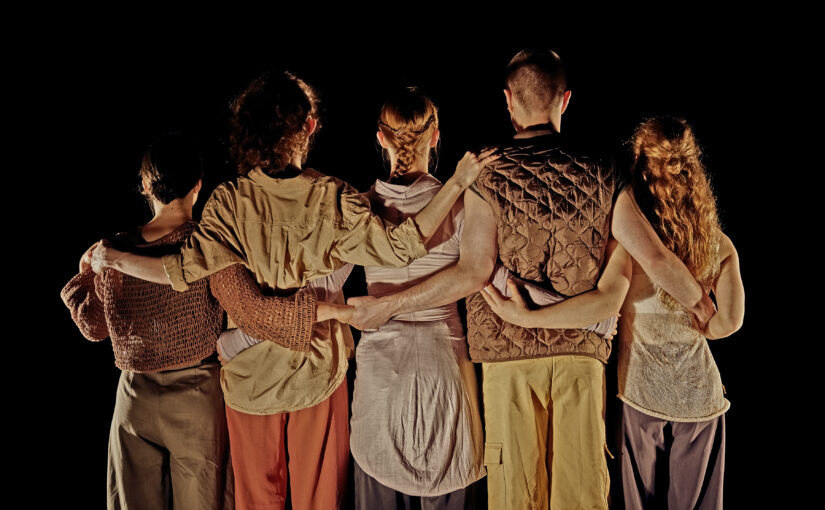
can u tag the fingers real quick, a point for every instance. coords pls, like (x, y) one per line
(360, 300)
(492, 295)
(514, 291)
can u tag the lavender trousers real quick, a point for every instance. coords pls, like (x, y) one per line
(671, 465)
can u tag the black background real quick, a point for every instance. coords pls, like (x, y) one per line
(119, 87)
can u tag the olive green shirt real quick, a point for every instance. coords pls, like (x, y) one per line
(289, 231)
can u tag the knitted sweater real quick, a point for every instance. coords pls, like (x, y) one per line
(286, 321)
(152, 327)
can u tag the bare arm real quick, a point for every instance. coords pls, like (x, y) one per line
(140, 266)
(636, 235)
(578, 311)
(477, 256)
(729, 292)
(430, 218)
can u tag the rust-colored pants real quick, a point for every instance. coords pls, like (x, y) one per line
(316, 442)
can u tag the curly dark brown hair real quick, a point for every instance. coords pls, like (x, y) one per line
(268, 118)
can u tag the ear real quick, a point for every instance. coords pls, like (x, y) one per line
(310, 125)
(144, 186)
(508, 95)
(565, 100)
(434, 139)
(195, 190)
(381, 140)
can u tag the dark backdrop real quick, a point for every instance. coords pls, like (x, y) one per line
(118, 89)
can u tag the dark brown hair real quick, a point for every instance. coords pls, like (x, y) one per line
(171, 167)
(268, 118)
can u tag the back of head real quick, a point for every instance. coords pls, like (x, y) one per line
(408, 120)
(672, 188)
(537, 79)
(171, 167)
(268, 119)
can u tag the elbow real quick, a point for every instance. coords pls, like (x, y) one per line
(476, 276)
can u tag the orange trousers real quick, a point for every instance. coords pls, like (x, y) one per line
(312, 445)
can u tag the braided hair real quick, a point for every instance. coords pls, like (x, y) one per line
(408, 120)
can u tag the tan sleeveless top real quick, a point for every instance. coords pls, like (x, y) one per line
(666, 369)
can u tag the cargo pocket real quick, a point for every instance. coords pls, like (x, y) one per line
(495, 475)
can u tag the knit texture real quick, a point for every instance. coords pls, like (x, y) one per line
(287, 321)
(152, 327)
(552, 214)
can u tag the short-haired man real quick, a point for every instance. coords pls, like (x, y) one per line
(545, 214)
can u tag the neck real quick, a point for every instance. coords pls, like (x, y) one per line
(419, 167)
(167, 217)
(550, 123)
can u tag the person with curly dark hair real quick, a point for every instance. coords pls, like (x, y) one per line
(289, 226)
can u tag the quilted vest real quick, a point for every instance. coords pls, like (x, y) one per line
(552, 214)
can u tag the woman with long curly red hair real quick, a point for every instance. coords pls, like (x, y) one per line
(671, 393)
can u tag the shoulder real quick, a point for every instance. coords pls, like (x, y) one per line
(726, 247)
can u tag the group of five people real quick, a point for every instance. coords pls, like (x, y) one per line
(546, 245)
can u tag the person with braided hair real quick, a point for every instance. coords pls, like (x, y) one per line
(416, 427)
(672, 399)
(546, 214)
(289, 225)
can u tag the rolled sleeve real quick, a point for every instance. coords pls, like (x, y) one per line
(174, 271)
(366, 239)
(213, 245)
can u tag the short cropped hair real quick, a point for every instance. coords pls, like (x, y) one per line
(171, 167)
(537, 79)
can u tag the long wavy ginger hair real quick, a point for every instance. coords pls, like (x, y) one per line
(674, 192)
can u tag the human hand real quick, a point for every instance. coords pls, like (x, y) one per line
(223, 361)
(513, 310)
(370, 313)
(703, 312)
(103, 256)
(86, 259)
(470, 166)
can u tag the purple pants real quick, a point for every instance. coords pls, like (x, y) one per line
(673, 465)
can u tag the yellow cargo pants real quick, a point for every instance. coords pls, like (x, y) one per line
(545, 434)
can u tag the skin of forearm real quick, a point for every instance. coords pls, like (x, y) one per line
(634, 232)
(430, 218)
(730, 296)
(591, 307)
(445, 287)
(671, 274)
(146, 268)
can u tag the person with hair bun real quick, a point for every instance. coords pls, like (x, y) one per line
(416, 427)
(672, 399)
(289, 226)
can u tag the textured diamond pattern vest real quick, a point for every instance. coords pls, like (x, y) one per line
(552, 214)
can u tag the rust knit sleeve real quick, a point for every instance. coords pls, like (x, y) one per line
(287, 321)
(80, 296)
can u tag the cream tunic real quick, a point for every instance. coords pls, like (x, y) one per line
(416, 426)
(666, 369)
